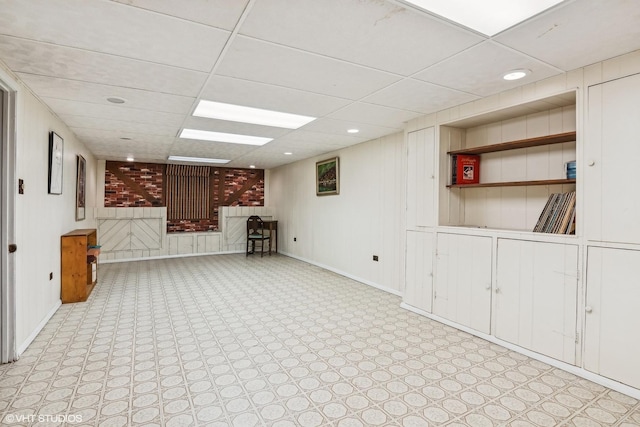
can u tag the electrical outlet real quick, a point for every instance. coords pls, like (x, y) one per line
(375, 257)
(51, 276)
(295, 239)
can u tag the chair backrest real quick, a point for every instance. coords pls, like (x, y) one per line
(254, 225)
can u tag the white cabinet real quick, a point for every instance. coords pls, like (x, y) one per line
(536, 296)
(612, 201)
(612, 317)
(421, 178)
(463, 280)
(419, 270)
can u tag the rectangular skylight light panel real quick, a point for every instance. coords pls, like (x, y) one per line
(197, 159)
(488, 16)
(232, 138)
(256, 116)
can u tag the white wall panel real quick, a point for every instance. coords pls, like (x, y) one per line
(537, 296)
(612, 317)
(344, 231)
(463, 280)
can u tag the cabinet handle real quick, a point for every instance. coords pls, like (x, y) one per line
(591, 162)
(588, 309)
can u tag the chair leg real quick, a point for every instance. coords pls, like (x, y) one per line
(261, 248)
(247, 253)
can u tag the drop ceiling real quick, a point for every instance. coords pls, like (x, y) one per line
(366, 64)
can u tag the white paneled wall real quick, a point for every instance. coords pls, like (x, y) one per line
(343, 232)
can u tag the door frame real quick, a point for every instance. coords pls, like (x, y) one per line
(9, 89)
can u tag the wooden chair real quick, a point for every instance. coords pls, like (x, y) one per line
(257, 233)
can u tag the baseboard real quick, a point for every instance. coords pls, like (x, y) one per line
(147, 258)
(581, 372)
(38, 328)
(345, 274)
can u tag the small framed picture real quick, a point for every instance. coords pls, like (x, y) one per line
(328, 177)
(56, 157)
(81, 182)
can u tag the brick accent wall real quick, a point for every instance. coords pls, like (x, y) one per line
(142, 185)
(119, 194)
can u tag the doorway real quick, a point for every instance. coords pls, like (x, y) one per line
(8, 352)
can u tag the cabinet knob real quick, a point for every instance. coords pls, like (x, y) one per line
(588, 309)
(487, 287)
(591, 162)
(497, 290)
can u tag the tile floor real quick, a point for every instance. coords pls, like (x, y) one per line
(228, 340)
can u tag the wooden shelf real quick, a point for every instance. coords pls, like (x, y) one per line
(76, 280)
(515, 183)
(522, 143)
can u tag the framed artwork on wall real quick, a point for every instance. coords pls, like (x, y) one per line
(56, 151)
(328, 177)
(81, 182)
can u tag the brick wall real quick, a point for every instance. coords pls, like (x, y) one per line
(141, 185)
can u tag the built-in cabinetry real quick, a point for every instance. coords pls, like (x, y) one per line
(79, 264)
(536, 296)
(463, 280)
(570, 300)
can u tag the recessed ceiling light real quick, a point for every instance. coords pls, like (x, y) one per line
(232, 138)
(256, 116)
(130, 159)
(125, 138)
(197, 159)
(288, 153)
(116, 100)
(515, 74)
(353, 130)
(252, 166)
(487, 17)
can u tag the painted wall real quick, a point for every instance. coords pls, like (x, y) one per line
(41, 218)
(343, 232)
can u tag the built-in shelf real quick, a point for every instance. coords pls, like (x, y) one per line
(558, 138)
(515, 183)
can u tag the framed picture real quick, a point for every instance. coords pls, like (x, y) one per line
(81, 182)
(56, 148)
(328, 177)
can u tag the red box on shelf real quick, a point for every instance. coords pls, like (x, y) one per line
(465, 169)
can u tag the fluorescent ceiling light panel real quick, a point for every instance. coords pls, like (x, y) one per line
(197, 159)
(488, 16)
(232, 138)
(256, 116)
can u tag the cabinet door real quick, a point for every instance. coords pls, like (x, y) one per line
(419, 272)
(537, 296)
(421, 178)
(612, 317)
(612, 202)
(463, 280)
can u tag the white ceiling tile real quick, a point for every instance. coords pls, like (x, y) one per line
(75, 64)
(339, 128)
(380, 34)
(479, 70)
(305, 140)
(361, 112)
(126, 128)
(415, 95)
(73, 90)
(268, 63)
(165, 40)
(578, 33)
(217, 13)
(270, 97)
(65, 107)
